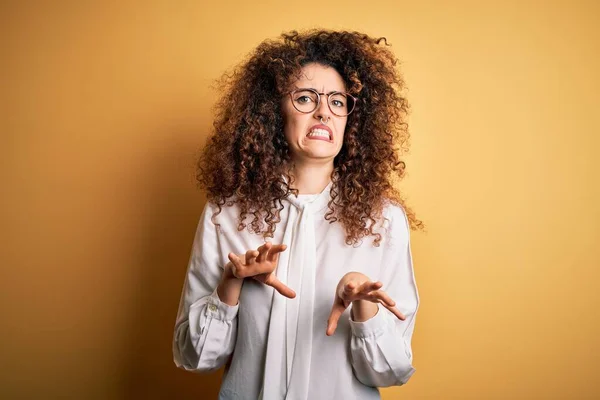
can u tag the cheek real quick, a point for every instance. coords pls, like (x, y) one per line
(341, 128)
(289, 128)
(295, 125)
(288, 122)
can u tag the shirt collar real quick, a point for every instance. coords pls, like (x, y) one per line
(316, 203)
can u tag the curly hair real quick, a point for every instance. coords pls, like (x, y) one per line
(247, 160)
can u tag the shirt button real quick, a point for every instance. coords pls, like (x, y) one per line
(212, 308)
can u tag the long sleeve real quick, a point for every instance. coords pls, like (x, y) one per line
(206, 328)
(380, 347)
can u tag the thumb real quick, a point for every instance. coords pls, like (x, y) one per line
(336, 312)
(276, 284)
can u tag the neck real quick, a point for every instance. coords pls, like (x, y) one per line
(311, 178)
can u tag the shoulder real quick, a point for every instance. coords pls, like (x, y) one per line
(395, 222)
(214, 214)
(394, 212)
(226, 218)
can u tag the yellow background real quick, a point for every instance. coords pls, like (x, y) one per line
(105, 104)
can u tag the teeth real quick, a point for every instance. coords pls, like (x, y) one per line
(319, 133)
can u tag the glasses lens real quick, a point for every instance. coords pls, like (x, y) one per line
(341, 104)
(305, 100)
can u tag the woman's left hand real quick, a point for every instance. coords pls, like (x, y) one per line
(357, 288)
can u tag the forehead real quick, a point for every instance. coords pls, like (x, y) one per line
(320, 77)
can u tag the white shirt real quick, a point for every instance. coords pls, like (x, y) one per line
(349, 365)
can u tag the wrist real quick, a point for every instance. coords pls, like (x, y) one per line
(363, 310)
(229, 287)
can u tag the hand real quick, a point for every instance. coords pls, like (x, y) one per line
(260, 265)
(357, 288)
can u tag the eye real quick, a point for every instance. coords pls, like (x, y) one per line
(304, 99)
(337, 103)
(337, 100)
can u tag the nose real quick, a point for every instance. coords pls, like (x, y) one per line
(323, 111)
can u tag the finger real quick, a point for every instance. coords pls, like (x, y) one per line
(251, 256)
(275, 250)
(237, 266)
(336, 312)
(367, 287)
(276, 284)
(235, 259)
(374, 286)
(350, 287)
(349, 291)
(382, 297)
(263, 251)
(396, 312)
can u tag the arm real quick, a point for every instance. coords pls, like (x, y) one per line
(206, 325)
(380, 346)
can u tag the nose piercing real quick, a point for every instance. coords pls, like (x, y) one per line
(324, 122)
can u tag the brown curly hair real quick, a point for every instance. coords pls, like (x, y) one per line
(247, 160)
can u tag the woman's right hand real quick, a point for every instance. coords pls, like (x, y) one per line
(260, 265)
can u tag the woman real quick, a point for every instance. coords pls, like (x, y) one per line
(301, 211)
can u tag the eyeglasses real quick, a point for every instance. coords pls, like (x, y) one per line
(308, 100)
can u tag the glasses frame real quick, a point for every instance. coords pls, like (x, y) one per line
(319, 100)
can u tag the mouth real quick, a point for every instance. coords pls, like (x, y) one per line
(320, 132)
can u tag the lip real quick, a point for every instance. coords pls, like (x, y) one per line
(325, 128)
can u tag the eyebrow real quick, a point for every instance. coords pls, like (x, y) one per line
(333, 91)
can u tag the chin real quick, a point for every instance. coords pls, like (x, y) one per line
(318, 156)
